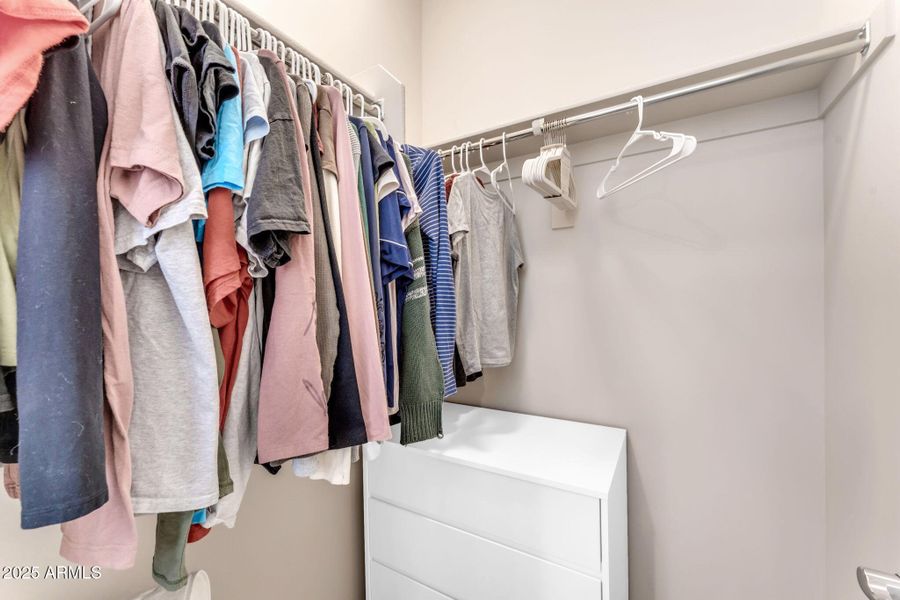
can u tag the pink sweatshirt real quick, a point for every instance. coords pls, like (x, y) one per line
(357, 285)
(27, 28)
(293, 409)
(139, 166)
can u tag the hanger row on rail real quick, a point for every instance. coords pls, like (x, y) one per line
(237, 31)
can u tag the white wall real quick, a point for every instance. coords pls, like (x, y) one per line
(688, 309)
(353, 35)
(485, 64)
(862, 250)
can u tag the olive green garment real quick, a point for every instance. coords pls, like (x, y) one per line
(12, 162)
(421, 374)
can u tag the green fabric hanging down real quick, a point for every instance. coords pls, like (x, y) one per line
(421, 375)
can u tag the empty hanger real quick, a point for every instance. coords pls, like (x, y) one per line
(453, 172)
(510, 202)
(483, 168)
(682, 147)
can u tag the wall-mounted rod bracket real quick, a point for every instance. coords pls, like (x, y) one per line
(866, 34)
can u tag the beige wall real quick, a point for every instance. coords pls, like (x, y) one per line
(862, 300)
(294, 539)
(353, 35)
(688, 310)
(485, 64)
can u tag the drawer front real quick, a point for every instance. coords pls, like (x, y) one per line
(557, 525)
(387, 584)
(465, 566)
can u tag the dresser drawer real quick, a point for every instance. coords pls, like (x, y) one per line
(557, 525)
(465, 566)
(387, 584)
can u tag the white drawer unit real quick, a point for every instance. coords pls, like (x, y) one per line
(504, 506)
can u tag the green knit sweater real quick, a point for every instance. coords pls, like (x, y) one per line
(421, 376)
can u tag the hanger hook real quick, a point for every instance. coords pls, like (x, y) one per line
(639, 101)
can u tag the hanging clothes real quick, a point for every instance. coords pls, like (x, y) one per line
(346, 427)
(260, 278)
(166, 307)
(327, 318)
(488, 253)
(239, 433)
(139, 176)
(357, 285)
(459, 372)
(256, 92)
(293, 415)
(215, 83)
(428, 179)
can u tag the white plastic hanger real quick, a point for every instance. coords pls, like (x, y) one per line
(483, 168)
(452, 161)
(510, 202)
(682, 147)
(551, 173)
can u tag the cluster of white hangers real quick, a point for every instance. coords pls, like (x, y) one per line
(682, 146)
(465, 167)
(551, 172)
(237, 31)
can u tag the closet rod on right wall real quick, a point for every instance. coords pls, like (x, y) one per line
(858, 45)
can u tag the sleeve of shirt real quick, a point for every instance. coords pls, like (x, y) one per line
(146, 172)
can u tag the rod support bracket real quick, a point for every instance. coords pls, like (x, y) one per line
(865, 34)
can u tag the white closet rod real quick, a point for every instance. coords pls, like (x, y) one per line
(328, 74)
(538, 126)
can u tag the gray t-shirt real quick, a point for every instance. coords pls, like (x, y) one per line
(179, 70)
(174, 426)
(275, 207)
(487, 255)
(215, 78)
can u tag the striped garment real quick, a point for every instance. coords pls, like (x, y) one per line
(428, 179)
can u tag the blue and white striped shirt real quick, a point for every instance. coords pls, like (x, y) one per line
(428, 179)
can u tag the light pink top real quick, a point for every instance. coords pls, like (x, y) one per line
(357, 285)
(139, 167)
(293, 409)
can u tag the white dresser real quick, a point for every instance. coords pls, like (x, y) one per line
(506, 506)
